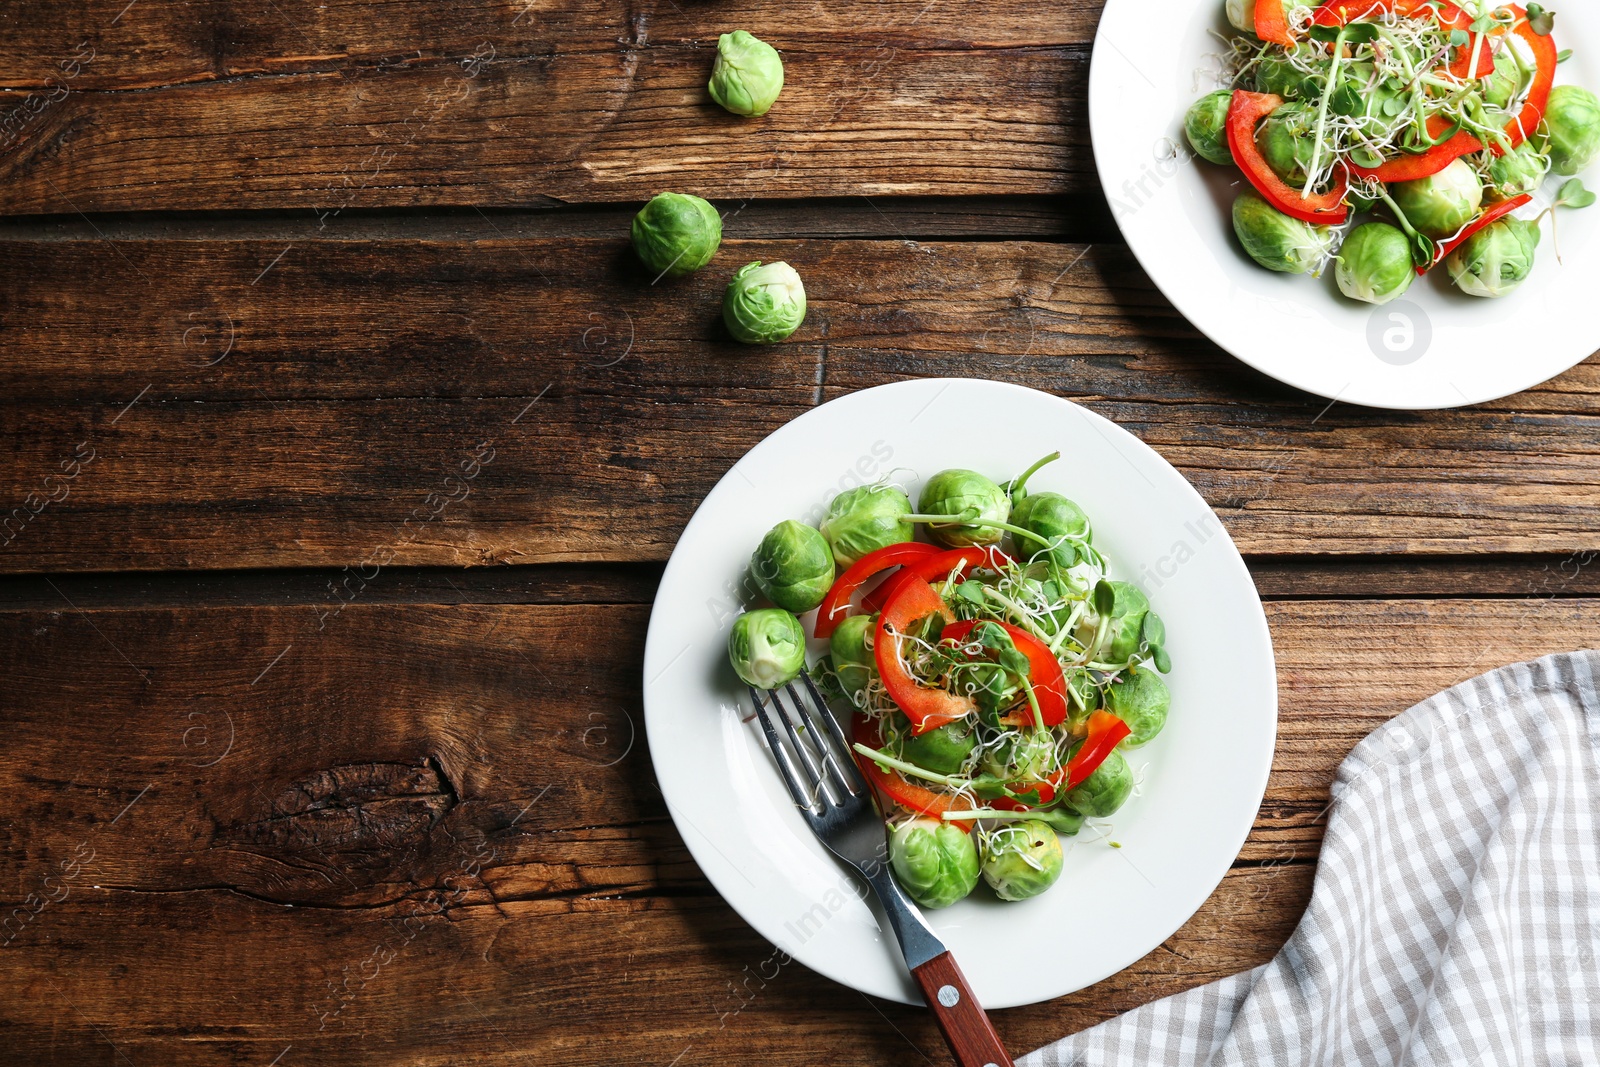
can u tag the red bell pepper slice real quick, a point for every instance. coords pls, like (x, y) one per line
(1272, 23)
(1044, 670)
(835, 605)
(1493, 215)
(1409, 168)
(1450, 17)
(908, 795)
(937, 567)
(1106, 732)
(926, 707)
(1544, 79)
(1247, 109)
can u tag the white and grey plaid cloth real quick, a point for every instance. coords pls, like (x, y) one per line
(1455, 917)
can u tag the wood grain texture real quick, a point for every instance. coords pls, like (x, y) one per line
(343, 105)
(406, 834)
(251, 403)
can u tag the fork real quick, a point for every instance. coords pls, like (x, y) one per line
(837, 804)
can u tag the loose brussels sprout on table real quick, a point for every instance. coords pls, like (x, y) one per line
(1570, 133)
(1275, 240)
(676, 234)
(793, 566)
(1374, 263)
(1021, 860)
(964, 495)
(1496, 259)
(936, 863)
(748, 74)
(767, 647)
(864, 519)
(1440, 205)
(764, 304)
(1205, 127)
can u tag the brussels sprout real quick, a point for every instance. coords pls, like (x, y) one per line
(1287, 140)
(1515, 173)
(1277, 74)
(865, 519)
(1570, 133)
(1104, 791)
(676, 234)
(767, 647)
(1206, 127)
(793, 566)
(1275, 240)
(764, 304)
(748, 74)
(1021, 757)
(1241, 15)
(1374, 263)
(1140, 699)
(935, 862)
(1056, 519)
(1500, 88)
(851, 650)
(958, 492)
(1021, 860)
(943, 750)
(1496, 259)
(1129, 609)
(1442, 204)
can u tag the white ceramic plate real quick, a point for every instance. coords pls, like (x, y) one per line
(1203, 777)
(1433, 348)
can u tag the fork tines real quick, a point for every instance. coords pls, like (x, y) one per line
(826, 774)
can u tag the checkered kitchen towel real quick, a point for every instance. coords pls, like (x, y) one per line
(1455, 917)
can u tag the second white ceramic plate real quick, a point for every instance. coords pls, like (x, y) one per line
(1202, 778)
(1433, 348)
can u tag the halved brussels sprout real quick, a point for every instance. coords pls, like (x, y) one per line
(1206, 127)
(865, 519)
(1496, 259)
(793, 566)
(676, 234)
(1021, 859)
(1375, 263)
(1241, 15)
(1570, 132)
(767, 647)
(957, 492)
(748, 74)
(1440, 205)
(1275, 240)
(935, 862)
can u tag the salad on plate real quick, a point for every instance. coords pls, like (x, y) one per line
(995, 674)
(1442, 119)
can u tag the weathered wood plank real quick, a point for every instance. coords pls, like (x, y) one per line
(412, 831)
(344, 105)
(251, 403)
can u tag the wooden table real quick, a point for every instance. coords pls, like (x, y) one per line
(345, 443)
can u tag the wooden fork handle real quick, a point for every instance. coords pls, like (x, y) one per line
(961, 1018)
